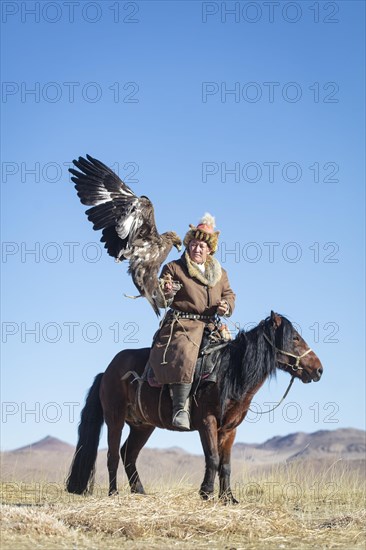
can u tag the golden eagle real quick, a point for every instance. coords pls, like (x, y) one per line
(128, 223)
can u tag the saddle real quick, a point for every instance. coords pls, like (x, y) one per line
(207, 361)
(205, 371)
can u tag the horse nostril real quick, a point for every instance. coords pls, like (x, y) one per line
(319, 371)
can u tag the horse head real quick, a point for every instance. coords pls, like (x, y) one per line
(293, 354)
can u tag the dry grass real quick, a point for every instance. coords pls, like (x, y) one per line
(295, 506)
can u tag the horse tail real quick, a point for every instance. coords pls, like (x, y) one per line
(81, 475)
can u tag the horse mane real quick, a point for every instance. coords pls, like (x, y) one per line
(249, 359)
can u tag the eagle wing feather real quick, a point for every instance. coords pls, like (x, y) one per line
(127, 222)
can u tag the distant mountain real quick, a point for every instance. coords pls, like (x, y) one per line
(344, 442)
(48, 443)
(341, 441)
(49, 459)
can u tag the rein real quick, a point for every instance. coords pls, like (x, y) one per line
(296, 367)
(280, 401)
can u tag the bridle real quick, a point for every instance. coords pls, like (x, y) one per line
(296, 366)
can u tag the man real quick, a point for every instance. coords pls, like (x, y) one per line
(197, 289)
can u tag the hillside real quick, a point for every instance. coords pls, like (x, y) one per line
(49, 459)
(346, 443)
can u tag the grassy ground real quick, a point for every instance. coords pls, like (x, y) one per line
(293, 506)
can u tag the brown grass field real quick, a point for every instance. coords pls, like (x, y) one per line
(298, 505)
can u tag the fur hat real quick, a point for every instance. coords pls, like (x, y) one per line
(204, 231)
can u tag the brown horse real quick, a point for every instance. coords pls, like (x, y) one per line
(120, 396)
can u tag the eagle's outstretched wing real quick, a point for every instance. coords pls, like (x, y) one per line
(128, 224)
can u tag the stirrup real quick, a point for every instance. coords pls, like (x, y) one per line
(181, 420)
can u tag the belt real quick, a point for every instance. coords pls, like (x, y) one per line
(193, 316)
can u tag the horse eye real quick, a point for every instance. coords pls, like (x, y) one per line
(296, 338)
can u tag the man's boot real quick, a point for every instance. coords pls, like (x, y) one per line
(180, 393)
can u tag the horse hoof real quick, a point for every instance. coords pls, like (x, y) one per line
(138, 492)
(228, 499)
(113, 493)
(205, 495)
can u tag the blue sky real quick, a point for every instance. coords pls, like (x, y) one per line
(256, 116)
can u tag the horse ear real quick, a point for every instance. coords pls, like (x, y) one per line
(276, 319)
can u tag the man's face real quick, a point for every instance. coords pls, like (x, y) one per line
(198, 251)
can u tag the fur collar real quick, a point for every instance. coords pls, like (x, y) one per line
(212, 273)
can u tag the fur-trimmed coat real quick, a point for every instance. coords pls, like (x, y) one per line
(174, 353)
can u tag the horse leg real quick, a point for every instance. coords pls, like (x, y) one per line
(137, 438)
(114, 440)
(208, 435)
(226, 440)
(115, 422)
